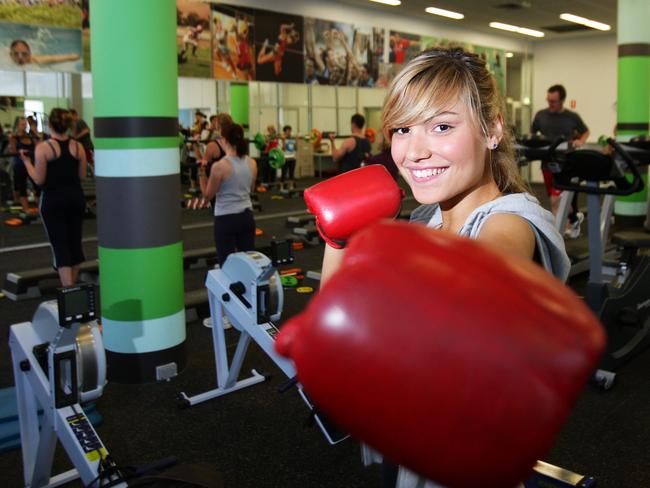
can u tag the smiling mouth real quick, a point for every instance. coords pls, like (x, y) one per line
(425, 174)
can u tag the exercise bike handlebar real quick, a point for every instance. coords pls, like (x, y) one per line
(573, 161)
(637, 181)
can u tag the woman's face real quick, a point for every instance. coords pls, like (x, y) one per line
(441, 158)
(21, 126)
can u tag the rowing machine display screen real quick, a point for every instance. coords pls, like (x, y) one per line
(76, 304)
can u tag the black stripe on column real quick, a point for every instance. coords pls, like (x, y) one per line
(135, 213)
(136, 127)
(641, 126)
(637, 49)
(131, 368)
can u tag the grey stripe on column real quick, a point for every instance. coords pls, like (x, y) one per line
(136, 126)
(636, 49)
(139, 212)
(640, 126)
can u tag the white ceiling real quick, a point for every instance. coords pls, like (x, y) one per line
(543, 15)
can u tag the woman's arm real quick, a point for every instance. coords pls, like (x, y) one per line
(11, 147)
(331, 263)
(252, 164)
(37, 171)
(210, 184)
(83, 160)
(509, 234)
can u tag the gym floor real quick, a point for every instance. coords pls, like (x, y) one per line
(257, 437)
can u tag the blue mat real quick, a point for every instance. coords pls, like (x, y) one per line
(9, 428)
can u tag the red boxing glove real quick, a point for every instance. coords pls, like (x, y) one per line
(353, 200)
(450, 359)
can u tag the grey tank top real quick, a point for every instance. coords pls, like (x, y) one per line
(234, 195)
(550, 251)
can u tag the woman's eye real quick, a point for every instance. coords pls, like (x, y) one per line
(442, 127)
(401, 130)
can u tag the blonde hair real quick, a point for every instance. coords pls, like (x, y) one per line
(436, 80)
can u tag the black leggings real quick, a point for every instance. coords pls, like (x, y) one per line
(289, 169)
(573, 215)
(62, 212)
(20, 180)
(234, 232)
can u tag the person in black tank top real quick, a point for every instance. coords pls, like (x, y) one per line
(355, 150)
(59, 166)
(214, 151)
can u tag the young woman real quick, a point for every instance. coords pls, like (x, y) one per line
(59, 166)
(230, 182)
(444, 119)
(21, 141)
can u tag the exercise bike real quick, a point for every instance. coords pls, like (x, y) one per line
(622, 304)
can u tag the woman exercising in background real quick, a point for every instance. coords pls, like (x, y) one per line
(230, 182)
(22, 140)
(59, 166)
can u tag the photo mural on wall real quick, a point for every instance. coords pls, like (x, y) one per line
(85, 33)
(328, 52)
(41, 35)
(233, 47)
(229, 42)
(279, 47)
(193, 46)
(493, 57)
(367, 54)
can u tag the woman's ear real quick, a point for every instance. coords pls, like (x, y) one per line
(496, 132)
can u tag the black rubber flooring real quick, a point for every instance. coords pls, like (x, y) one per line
(257, 437)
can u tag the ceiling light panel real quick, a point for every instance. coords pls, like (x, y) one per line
(444, 13)
(586, 22)
(519, 30)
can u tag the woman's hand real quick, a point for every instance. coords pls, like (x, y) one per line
(24, 155)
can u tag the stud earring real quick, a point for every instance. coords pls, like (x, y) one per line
(494, 145)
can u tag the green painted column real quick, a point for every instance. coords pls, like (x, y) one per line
(633, 99)
(239, 103)
(133, 47)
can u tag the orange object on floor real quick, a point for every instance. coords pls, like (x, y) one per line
(290, 271)
(261, 189)
(15, 222)
(297, 246)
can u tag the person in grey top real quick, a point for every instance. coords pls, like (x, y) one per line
(230, 182)
(553, 123)
(444, 118)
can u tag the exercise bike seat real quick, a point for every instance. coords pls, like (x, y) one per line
(632, 239)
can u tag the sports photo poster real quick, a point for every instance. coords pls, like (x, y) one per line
(59, 13)
(233, 43)
(367, 52)
(329, 58)
(494, 58)
(193, 46)
(85, 33)
(40, 48)
(402, 47)
(279, 47)
(41, 35)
